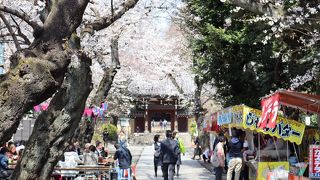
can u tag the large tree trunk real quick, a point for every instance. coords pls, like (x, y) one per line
(198, 110)
(87, 127)
(55, 127)
(39, 70)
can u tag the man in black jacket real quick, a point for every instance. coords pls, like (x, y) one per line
(124, 158)
(169, 152)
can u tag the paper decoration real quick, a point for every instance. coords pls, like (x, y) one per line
(88, 112)
(37, 108)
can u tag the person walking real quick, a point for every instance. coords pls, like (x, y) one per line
(165, 123)
(235, 154)
(181, 148)
(124, 157)
(156, 151)
(161, 124)
(169, 152)
(221, 157)
(153, 123)
(197, 149)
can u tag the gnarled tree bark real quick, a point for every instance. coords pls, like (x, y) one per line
(55, 127)
(40, 69)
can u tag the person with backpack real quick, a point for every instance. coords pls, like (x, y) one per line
(235, 154)
(169, 152)
(124, 157)
(218, 157)
(181, 148)
(156, 150)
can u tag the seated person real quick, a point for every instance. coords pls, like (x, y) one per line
(71, 155)
(100, 150)
(90, 158)
(86, 148)
(5, 155)
(13, 150)
(71, 160)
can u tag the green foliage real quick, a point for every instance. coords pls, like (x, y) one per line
(228, 52)
(112, 131)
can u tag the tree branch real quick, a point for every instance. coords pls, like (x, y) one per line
(109, 74)
(259, 8)
(14, 37)
(20, 15)
(108, 20)
(23, 36)
(175, 83)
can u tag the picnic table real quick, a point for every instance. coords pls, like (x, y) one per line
(85, 171)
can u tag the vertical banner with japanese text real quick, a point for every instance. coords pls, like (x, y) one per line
(314, 161)
(269, 114)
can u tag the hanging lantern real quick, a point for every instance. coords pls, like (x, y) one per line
(308, 120)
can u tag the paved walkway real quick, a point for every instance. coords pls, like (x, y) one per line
(190, 169)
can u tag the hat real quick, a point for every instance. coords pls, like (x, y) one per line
(245, 144)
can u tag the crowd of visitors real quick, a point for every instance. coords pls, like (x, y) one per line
(73, 156)
(89, 155)
(226, 156)
(10, 153)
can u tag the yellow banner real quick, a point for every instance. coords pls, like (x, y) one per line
(285, 129)
(265, 167)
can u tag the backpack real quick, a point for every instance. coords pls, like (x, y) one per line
(157, 149)
(181, 145)
(214, 158)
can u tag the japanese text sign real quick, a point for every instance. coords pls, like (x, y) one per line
(286, 129)
(269, 114)
(231, 115)
(224, 116)
(314, 161)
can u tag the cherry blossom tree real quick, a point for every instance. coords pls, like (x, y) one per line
(53, 54)
(38, 71)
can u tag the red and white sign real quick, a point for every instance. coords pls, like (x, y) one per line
(269, 114)
(314, 161)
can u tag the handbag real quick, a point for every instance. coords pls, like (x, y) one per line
(157, 150)
(214, 158)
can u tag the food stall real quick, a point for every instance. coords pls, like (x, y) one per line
(308, 103)
(247, 119)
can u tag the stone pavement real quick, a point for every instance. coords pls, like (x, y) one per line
(190, 169)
